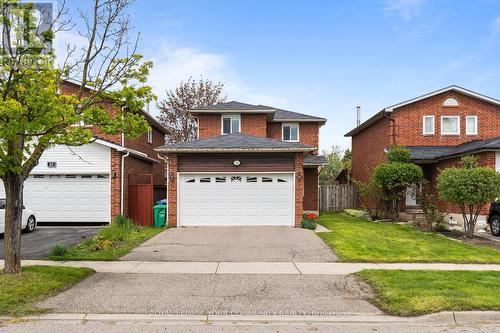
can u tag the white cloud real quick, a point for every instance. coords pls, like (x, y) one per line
(171, 65)
(495, 25)
(407, 9)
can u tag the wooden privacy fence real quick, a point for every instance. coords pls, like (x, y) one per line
(336, 198)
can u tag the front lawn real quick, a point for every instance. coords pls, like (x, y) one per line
(109, 244)
(357, 240)
(409, 293)
(19, 293)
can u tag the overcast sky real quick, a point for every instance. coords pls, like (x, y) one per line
(323, 57)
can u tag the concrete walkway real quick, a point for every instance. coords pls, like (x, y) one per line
(293, 268)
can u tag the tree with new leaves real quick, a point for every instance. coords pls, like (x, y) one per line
(175, 109)
(336, 164)
(395, 176)
(35, 115)
(471, 187)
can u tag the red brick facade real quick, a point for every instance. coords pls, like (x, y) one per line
(172, 190)
(311, 189)
(132, 165)
(299, 188)
(404, 126)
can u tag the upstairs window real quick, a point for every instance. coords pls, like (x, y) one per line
(230, 124)
(471, 125)
(450, 125)
(290, 132)
(428, 125)
(150, 135)
(450, 101)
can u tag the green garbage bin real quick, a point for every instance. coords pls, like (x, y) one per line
(159, 212)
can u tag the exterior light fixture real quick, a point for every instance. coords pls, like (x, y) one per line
(236, 163)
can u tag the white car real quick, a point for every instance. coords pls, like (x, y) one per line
(28, 223)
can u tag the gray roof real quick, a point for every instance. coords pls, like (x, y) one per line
(277, 114)
(235, 142)
(315, 160)
(433, 153)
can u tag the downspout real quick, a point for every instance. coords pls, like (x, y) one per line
(166, 182)
(122, 173)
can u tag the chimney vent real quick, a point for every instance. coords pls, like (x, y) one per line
(358, 115)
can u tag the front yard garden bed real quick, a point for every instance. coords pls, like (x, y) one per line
(19, 293)
(358, 240)
(109, 244)
(410, 293)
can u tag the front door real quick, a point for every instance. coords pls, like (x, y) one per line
(411, 195)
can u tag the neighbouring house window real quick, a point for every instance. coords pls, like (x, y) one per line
(290, 132)
(150, 135)
(230, 124)
(450, 125)
(450, 102)
(471, 125)
(428, 125)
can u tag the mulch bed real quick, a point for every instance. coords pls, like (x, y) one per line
(459, 235)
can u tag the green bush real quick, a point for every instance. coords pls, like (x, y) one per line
(58, 250)
(309, 221)
(124, 222)
(398, 154)
(434, 220)
(355, 212)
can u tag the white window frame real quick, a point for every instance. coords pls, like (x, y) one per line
(232, 117)
(283, 132)
(467, 129)
(455, 117)
(150, 135)
(433, 125)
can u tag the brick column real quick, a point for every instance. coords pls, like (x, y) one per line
(299, 188)
(172, 190)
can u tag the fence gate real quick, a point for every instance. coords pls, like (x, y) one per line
(336, 198)
(140, 199)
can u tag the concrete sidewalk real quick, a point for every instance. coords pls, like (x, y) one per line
(293, 268)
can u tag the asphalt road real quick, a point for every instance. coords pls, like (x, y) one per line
(37, 245)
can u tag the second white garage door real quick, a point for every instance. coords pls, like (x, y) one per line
(236, 199)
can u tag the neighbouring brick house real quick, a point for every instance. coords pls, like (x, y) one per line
(89, 184)
(438, 128)
(251, 165)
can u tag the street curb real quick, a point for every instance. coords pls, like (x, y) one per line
(441, 318)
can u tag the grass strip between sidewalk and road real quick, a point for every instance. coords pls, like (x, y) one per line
(109, 244)
(418, 292)
(19, 293)
(357, 240)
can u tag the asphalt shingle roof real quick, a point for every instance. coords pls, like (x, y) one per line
(315, 160)
(278, 114)
(235, 142)
(440, 152)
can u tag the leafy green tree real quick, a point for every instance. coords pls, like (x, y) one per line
(470, 187)
(34, 113)
(335, 165)
(395, 176)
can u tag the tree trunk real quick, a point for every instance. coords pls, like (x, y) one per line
(13, 184)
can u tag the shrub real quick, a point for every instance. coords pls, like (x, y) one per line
(309, 221)
(470, 187)
(124, 222)
(58, 250)
(371, 198)
(355, 212)
(434, 220)
(398, 154)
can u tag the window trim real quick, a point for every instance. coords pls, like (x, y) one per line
(232, 117)
(283, 132)
(467, 132)
(456, 117)
(150, 135)
(433, 125)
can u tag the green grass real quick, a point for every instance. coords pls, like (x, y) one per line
(357, 240)
(110, 243)
(18, 293)
(409, 293)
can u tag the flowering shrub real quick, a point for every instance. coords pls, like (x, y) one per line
(309, 221)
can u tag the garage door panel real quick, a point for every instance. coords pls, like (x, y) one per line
(250, 199)
(67, 198)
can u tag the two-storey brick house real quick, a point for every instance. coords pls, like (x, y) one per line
(89, 184)
(438, 128)
(251, 165)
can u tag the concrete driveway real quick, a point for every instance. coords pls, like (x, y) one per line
(199, 294)
(243, 244)
(37, 245)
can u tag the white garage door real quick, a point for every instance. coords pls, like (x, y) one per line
(236, 199)
(68, 198)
